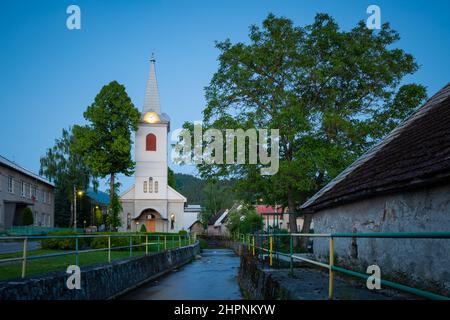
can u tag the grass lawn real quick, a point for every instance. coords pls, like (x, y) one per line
(13, 270)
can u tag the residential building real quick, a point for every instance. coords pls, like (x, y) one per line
(21, 188)
(217, 223)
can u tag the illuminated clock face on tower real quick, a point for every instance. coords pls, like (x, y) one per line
(151, 117)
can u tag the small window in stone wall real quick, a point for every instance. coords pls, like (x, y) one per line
(145, 186)
(156, 186)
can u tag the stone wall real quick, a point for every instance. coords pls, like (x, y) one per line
(418, 262)
(258, 284)
(99, 282)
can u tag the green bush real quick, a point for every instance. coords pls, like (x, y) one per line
(119, 240)
(203, 243)
(27, 219)
(182, 232)
(143, 228)
(102, 242)
(65, 243)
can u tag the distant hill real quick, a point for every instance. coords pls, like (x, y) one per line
(191, 187)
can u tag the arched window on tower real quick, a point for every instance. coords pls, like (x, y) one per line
(156, 186)
(145, 186)
(150, 142)
(150, 185)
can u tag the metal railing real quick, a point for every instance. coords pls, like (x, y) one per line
(251, 241)
(36, 230)
(160, 242)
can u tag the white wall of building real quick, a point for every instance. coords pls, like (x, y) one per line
(419, 262)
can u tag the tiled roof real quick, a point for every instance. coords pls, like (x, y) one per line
(415, 153)
(263, 209)
(12, 165)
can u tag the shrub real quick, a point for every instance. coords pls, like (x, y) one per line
(27, 219)
(102, 242)
(143, 228)
(203, 243)
(182, 232)
(65, 243)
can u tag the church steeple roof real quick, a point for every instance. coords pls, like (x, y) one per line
(151, 99)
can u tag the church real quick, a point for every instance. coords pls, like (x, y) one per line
(150, 201)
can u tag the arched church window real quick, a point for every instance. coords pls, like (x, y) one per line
(150, 142)
(156, 186)
(145, 186)
(150, 185)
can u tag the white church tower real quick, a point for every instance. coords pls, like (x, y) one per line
(151, 201)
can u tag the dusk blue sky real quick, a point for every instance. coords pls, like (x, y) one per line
(49, 74)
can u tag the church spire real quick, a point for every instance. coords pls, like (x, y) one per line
(151, 100)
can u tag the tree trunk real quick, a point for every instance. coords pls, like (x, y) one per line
(307, 218)
(111, 199)
(292, 217)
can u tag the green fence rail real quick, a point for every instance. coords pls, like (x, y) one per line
(35, 230)
(145, 242)
(259, 244)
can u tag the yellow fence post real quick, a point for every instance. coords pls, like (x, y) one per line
(165, 242)
(179, 241)
(331, 272)
(253, 243)
(146, 244)
(24, 257)
(270, 250)
(248, 242)
(109, 248)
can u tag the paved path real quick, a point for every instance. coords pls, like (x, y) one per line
(11, 247)
(312, 284)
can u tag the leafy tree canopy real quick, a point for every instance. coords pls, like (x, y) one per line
(105, 142)
(331, 93)
(66, 169)
(244, 220)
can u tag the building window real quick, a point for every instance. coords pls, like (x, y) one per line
(128, 221)
(44, 197)
(145, 186)
(150, 142)
(10, 185)
(150, 185)
(33, 192)
(28, 189)
(22, 191)
(156, 186)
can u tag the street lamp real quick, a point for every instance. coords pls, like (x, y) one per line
(75, 193)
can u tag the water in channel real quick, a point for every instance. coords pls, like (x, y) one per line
(212, 277)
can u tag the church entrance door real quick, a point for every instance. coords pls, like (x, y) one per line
(150, 225)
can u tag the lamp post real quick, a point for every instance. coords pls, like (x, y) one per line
(80, 193)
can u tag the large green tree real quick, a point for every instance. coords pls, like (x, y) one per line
(331, 93)
(67, 170)
(105, 142)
